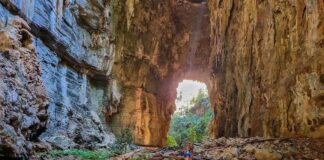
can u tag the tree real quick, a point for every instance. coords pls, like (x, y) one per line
(187, 127)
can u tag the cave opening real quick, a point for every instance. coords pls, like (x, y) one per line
(189, 123)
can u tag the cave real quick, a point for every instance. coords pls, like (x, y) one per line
(78, 74)
(153, 92)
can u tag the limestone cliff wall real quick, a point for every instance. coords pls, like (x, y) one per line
(143, 32)
(23, 100)
(262, 64)
(267, 63)
(56, 60)
(158, 44)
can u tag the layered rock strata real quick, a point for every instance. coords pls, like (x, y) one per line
(23, 100)
(56, 60)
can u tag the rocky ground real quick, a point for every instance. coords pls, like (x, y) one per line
(239, 148)
(229, 149)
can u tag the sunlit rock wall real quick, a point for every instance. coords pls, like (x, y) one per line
(264, 71)
(267, 62)
(158, 44)
(142, 31)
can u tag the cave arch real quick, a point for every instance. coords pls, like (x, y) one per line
(149, 69)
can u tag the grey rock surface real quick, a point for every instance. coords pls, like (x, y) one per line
(55, 62)
(23, 100)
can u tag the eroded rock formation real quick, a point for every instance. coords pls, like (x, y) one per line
(56, 59)
(159, 44)
(23, 98)
(263, 71)
(268, 62)
(71, 70)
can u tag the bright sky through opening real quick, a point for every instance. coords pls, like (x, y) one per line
(188, 89)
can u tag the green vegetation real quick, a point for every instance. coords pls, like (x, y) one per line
(121, 146)
(171, 141)
(84, 154)
(190, 126)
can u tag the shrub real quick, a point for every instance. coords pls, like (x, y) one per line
(171, 141)
(119, 147)
(84, 154)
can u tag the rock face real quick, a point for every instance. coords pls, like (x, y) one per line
(263, 69)
(56, 59)
(158, 44)
(71, 70)
(23, 100)
(269, 70)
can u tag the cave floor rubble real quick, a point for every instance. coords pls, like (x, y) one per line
(238, 148)
(254, 148)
